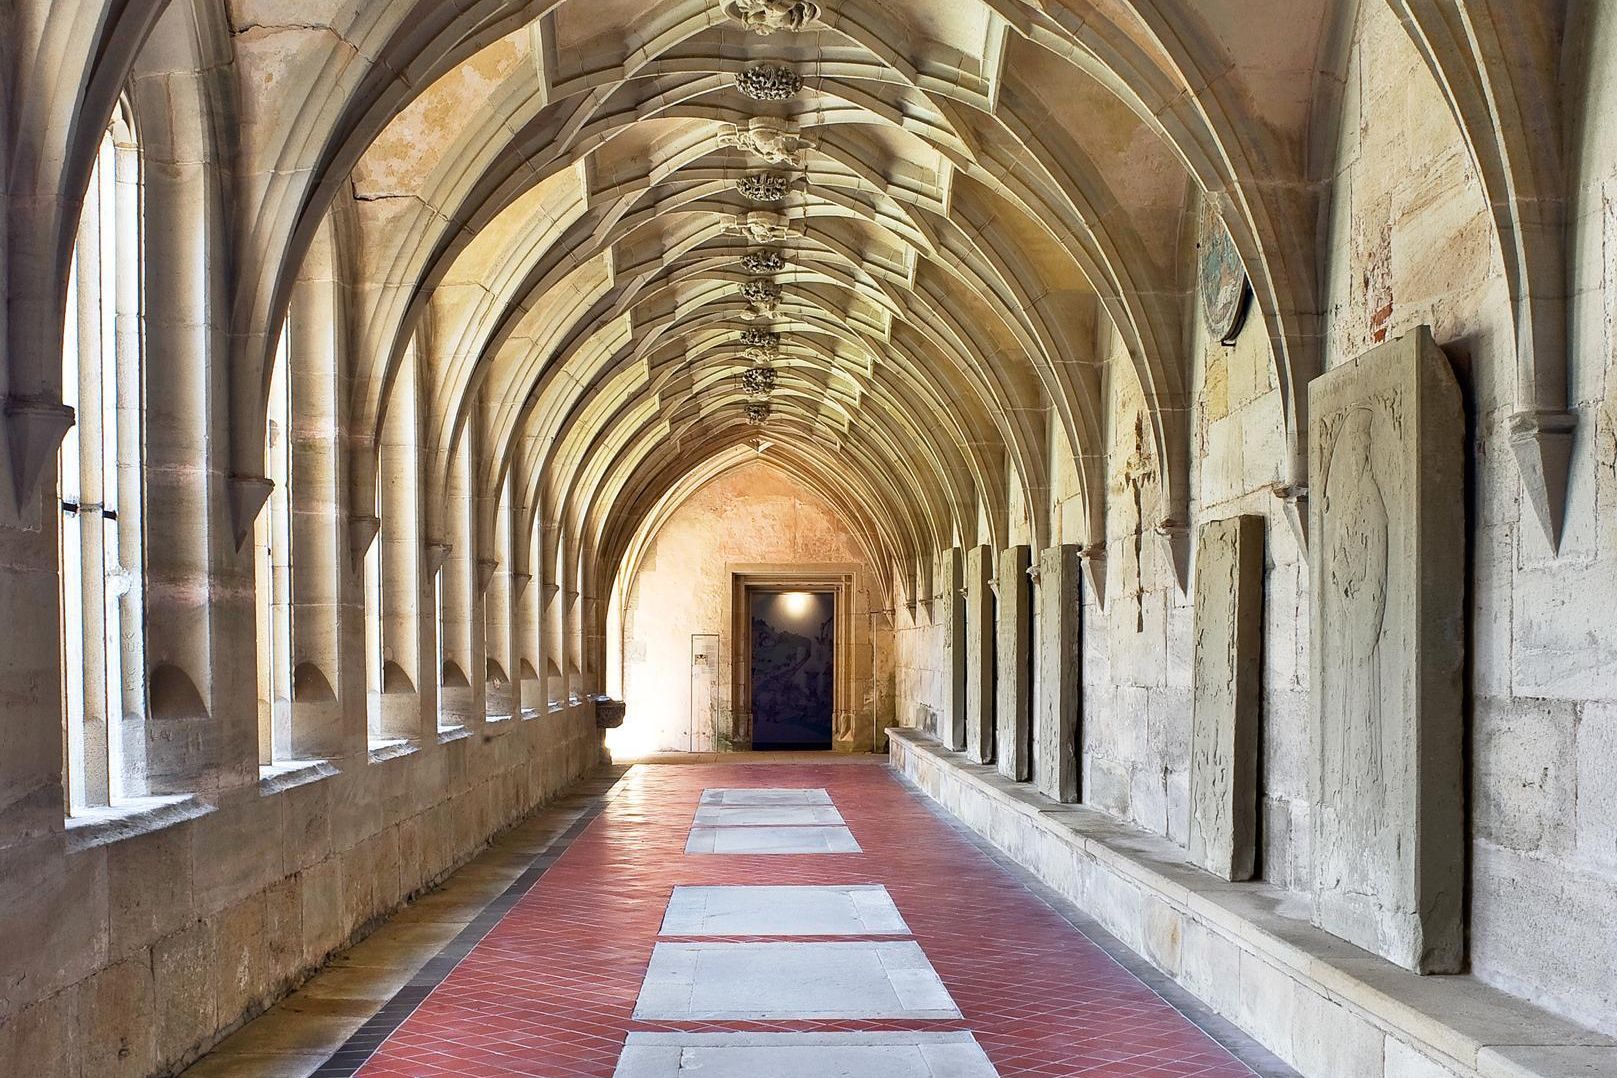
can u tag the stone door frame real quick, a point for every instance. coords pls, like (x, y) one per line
(836, 578)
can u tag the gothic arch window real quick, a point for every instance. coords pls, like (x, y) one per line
(100, 482)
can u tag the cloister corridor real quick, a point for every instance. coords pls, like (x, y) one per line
(580, 915)
(808, 538)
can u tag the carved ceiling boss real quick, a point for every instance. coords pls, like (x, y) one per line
(763, 296)
(758, 381)
(770, 139)
(761, 263)
(760, 227)
(769, 82)
(764, 17)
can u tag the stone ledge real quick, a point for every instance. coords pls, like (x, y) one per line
(1248, 949)
(392, 749)
(130, 818)
(289, 774)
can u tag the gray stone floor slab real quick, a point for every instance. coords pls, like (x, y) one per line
(763, 796)
(804, 1055)
(771, 840)
(720, 982)
(853, 910)
(766, 815)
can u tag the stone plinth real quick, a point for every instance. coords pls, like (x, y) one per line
(1387, 560)
(1055, 725)
(979, 654)
(1013, 749)
(1226, 691)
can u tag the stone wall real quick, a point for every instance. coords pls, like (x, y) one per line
(748, 518)
(134, 948)
(1409, 242)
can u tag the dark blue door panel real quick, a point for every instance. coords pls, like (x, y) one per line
(793, 652)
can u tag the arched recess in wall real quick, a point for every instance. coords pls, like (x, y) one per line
(100, 486)
(154, 214)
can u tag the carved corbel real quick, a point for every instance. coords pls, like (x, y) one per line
(486, 568)
(1542, 443)
(1092, 562)
(34, 429)
(1175, 538)
(519, 584)
(1294, 504)
(437, 555)
(362, 532)
(247, 495)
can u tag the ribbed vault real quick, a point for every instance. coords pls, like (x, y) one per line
(928, 215)
(559, 218)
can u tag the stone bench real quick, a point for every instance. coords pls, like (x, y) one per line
(1248, 950)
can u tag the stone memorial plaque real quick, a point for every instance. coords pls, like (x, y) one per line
(1226, 690)
(1013, 748)
(1387, 558)
(979, 655)
(1055, 727)
(952, 614)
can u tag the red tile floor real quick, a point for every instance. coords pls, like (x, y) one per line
(550, 990)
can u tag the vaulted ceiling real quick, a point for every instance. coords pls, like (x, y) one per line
(924, 216)
(584, 220)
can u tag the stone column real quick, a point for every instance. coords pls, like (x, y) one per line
(951, 578)
(1014, 697)
(328, 671)
(201, 635)
(525, 630)
(409, 628)
(30, 696)
(462, 598)
(1386, 459)
(1055, 723)
(1226, 694)
(979, 654)
(500, 611)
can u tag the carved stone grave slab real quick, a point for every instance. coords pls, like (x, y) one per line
(1014, 695)
(1387, 558)
(1055, 727)
(979, 655)
(952, 722)
(1226, 689)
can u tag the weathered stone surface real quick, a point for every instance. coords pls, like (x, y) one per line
(951, 580)
(1250, 954)
(979, 654)
(186, 1014)
(47, 1035)
(1013, 750)
(1386, 546)
(115, 1021)
(1227, 692)
(1055, 726)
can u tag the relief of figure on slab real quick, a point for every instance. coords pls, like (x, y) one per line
(1355, 622)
